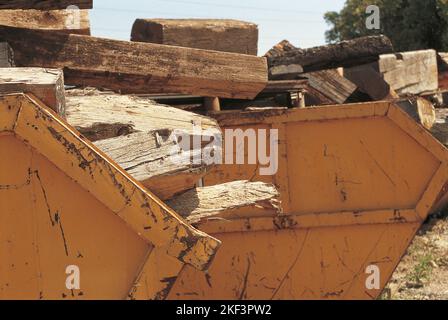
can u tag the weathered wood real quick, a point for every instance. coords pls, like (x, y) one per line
(290, 64)
(142, 137)
(45, 4)
(150, 157)
(68, 21)
(370, 82)
(420, 109)
(279, 49)
(45, 84)
(332, 85)
(236, 199)
(139, 67)
(100, 116)
(440, 127)
(412, 72)
(323, 87)
(210, 34)
(6, 55)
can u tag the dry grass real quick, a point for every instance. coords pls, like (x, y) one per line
(423, 272)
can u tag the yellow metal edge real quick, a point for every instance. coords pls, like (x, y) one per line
(313, 220)
(417, 132)
(192, 240)
(159, 270)
(434, 193)
(13, 107)
(318, 113)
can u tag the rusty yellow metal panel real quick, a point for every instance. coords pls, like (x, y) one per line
(315, 263)
(356, 182)
(351, 160)
(334, 158)
(63, 204)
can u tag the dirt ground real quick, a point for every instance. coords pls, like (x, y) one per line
(423, 273)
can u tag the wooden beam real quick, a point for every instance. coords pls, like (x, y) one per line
(68, 21)
(137, 133)
(210, 34)
(290, 64)
(103, 115)
(237, 199)
(149, 157)
(332, 85)
(322, 87)
(139, 67)
(370, 82)
(279, 49)
(6, 55)
(413, 72)
(45, 4)
(45, 84)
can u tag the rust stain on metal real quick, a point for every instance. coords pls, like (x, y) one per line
(284, 222)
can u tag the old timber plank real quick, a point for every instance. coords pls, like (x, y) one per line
(45, 84)
(139, 67)
(211, 34)
(235, 199)
(68, 21)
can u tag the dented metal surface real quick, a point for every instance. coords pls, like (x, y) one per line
(356, 183)
(64, 203)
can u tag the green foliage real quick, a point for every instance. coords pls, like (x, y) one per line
(422, 270)
(410, 24)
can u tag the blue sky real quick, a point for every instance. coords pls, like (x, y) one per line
(299, 21)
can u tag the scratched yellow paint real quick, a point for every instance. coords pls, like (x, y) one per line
(63, 203)
(48, 222)
(356, 182)
(317, 263)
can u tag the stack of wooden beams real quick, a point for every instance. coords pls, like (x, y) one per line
(120, 91)
(370, 71)
(40, 55)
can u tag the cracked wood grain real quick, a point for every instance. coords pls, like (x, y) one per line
(234, 199)
(145, 138)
